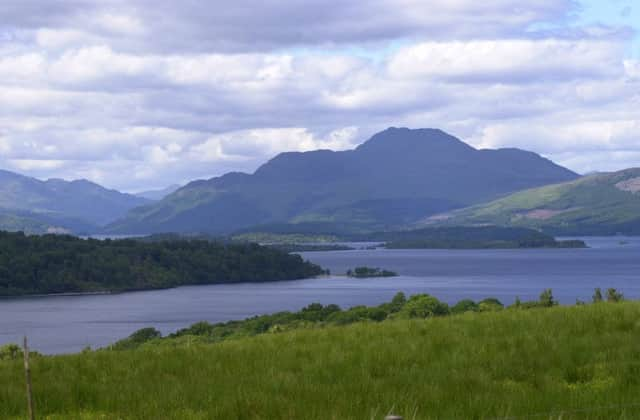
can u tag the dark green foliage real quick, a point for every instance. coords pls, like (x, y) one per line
(614, 296)
(470, 237)
(547, 299)
(597, 296)
(137, 338)
(423, 306)
(66, 264)
(397, 302)
(465, 305)
(368, 272)
(10, 352)
(313, 315)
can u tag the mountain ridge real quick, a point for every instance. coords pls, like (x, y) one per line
(398, 169)
(57, 205)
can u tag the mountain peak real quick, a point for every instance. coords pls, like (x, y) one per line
(397, 177)
(403, 139)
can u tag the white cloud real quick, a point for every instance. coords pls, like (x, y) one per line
(263, 143)
(136, 96)
(508, 61)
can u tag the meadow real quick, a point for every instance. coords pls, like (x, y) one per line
(559, 362)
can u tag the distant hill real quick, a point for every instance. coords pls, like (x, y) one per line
(600, 204)
(55, 205)
(399, 176)
(156, 195)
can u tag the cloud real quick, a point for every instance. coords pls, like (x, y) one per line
(135, 96)
(506, 61)
(244, 25)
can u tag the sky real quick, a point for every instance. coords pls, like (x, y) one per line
(141, 94)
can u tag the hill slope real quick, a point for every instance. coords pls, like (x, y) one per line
(396, 177)
(599, 204)
(563, 362)
(159, 194)
(35, 206)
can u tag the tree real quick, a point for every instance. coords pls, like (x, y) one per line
(398, 301)
(423, 306)
(490, 305)
(465, 305)
(614, 296)
(10, 352)
(597, 296)
(546, 298)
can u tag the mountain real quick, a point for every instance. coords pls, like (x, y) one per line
(396, 177)
(599, 204)
(38, 206)
(156, 195)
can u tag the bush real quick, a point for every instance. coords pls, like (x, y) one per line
(423, 306)
(546, 299)
(614, 296)
(490, 305)
(10, 352)
(137, 338)
(597, 296)
(465, 305)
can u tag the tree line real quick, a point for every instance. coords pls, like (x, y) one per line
(67, 264)
(419, 306)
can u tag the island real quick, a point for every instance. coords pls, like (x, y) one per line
(473, 237)
(368, 272)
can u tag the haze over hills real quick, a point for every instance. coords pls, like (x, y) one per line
(37, 206)
(397, 177)
(159, 194)
(599, 204)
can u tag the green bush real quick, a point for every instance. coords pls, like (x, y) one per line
(423, 306)
(465, 305)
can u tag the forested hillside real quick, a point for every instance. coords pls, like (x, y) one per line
(66, 264)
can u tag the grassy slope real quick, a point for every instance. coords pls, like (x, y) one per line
(592, 205)
(488, 365)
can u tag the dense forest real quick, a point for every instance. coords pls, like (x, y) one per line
(66, 264)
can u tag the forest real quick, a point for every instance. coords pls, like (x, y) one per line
(65, 264)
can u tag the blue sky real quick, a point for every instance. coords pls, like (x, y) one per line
(137, 97)
(615, 13)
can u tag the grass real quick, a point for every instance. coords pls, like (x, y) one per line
(513, 363)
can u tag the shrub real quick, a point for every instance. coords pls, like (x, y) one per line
(614, 296)
(465, 305)
(490, 305)
(597, 296)
(423, 306)
(546, 299)
(10, 352)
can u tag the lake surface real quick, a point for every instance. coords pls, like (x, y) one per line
(63, 324)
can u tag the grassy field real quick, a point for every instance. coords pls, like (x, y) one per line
(561, 362)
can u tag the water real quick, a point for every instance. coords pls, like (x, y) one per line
(64, 324)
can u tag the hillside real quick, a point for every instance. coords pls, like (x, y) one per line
(37, 206)
(397, 177)
(599, 204)
(561, 362)
(159, 194)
